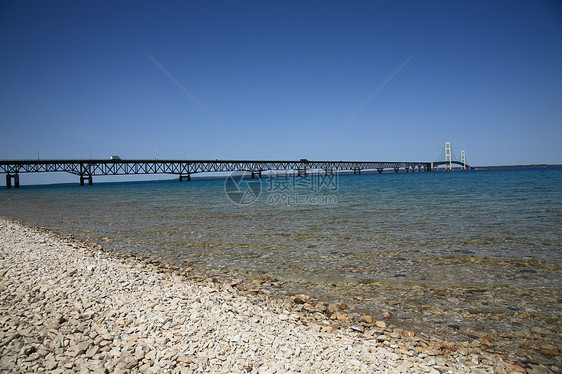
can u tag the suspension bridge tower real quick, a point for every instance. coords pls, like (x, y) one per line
(463, 159)
(448, 157)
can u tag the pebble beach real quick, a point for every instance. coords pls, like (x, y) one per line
(69, 306)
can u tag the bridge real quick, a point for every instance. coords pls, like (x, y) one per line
(87, 169)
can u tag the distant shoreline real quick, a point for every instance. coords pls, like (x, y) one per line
(530, 166)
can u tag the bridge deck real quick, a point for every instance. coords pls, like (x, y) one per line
(184, 168)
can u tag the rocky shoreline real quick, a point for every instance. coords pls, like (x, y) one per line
(69, 306)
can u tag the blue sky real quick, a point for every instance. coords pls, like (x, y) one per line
(276, 80)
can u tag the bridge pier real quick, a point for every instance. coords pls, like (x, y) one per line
(9, 180)
(84, 177)
(379, 170)
(187, 177)
(356, 171)
(258, 173)
(301, 172)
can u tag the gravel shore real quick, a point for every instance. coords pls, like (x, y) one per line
(67, 306)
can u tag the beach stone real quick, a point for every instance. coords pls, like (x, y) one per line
(366, 319)
(91, 351)
(340, 316)
(537, 369)
(66, 306)
(515, 369)
(300, 299)
(51, 365)
(187, 359)
(550, 352)
(356, 328)
(320, 307)
(99, 369)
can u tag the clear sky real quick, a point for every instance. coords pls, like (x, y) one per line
(347, 80)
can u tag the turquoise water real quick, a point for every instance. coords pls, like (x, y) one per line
(451, 253)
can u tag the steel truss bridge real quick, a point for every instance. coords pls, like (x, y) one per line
(86, 169)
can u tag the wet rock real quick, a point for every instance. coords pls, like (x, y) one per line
(515, 369)
(550, 351)
(537, 369)
(408, 333)
(300, 299)
(366, 319)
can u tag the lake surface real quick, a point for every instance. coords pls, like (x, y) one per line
(457, 254)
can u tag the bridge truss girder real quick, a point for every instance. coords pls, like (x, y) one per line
(88, 168)
(126, 167)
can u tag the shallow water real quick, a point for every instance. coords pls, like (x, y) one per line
(459, 254)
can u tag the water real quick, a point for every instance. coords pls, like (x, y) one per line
(457, 254)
